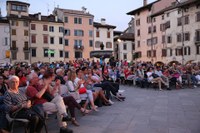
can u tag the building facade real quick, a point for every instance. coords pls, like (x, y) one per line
(181, 31)
(4, 41)
(148, 38)
(46, 36)
(78, 33)
(103, 39)
(17, 14)
(124, 45)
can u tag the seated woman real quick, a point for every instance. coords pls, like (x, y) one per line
(89, 85)
(152, 78)
(70, 101)
(79, 84)
(19, 105)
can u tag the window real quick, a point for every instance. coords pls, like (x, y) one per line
(52, 53)
(60, 40)
(66, 54)
(187, 50)
(138, 44)
(33, 27)
(14, 45)
(61, 53)
(148, 19)
(163, 38)
(133, 46)
(67, 32)
(51, 29)
(149, 29)
(78, 42)
(25, 23)
(179, 51)
(77, 20)
(138, 22)
(198, 17)
(185, 20)
(179, 22)
(138, 32)
(148, 42)
(78, 54)
(14, 23)
(125, 56)
(14, 32)
(91, 43)
(154, 29)
(124, 46)
(179, 37)
(168, 14)
(66, 42)
(51, 40)
(25, 32)
(18, 8)
(197, 35)
(33, 38)
(163, 17)
(90, 33)
(108, 34)
(46, 53)
(164, 52)
(162, 27)
(97, 44)
(167, 25)
(198, 49)
(90, 22)
(61, 29)
(186, 36)
(6, 41)
(78, 33)
(45, 28)
(97, 33)
(33, 52)
(108, 45)
(45, 39)
(169, 39)
(66, 20)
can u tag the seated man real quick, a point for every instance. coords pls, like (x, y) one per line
(36, 91)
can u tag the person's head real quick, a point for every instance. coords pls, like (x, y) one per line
(33, 78)
(49, 75)
(79, 72)
(19, 73)
(71, 75)
(84, 70)
(5, 72)
(13, 82)
(12, 71)
(59, 72)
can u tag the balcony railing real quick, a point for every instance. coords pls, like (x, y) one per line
(78, 47)
(26, 49)
(14, 48)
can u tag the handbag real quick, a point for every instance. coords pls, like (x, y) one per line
(82, 90)
(47, 96)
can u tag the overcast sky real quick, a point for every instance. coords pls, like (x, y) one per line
(114, 11)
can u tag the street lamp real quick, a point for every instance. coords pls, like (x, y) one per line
(182, 30)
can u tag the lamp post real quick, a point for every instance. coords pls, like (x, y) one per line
(182, 30)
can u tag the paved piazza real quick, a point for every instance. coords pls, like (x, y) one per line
(144, 111)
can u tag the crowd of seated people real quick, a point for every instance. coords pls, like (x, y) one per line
(53, 88)
(61, 87)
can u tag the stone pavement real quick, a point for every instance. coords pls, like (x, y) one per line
(144, 111)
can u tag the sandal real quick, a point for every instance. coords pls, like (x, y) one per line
(85, 112)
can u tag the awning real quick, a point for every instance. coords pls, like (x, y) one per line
(101, 53)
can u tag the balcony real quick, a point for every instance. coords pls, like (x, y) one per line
(26, 49)
(78, 47)
(14, 48)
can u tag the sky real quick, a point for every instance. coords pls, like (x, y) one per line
(114, 11)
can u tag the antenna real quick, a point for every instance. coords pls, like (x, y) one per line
(47, 8)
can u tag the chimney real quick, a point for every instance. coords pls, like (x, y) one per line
(144, 2)
(56, 18)
(39, 15)
(103, 21)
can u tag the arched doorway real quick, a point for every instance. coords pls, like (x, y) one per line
(173, 62)
(159, 63)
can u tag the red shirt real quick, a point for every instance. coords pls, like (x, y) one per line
(31, 93)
